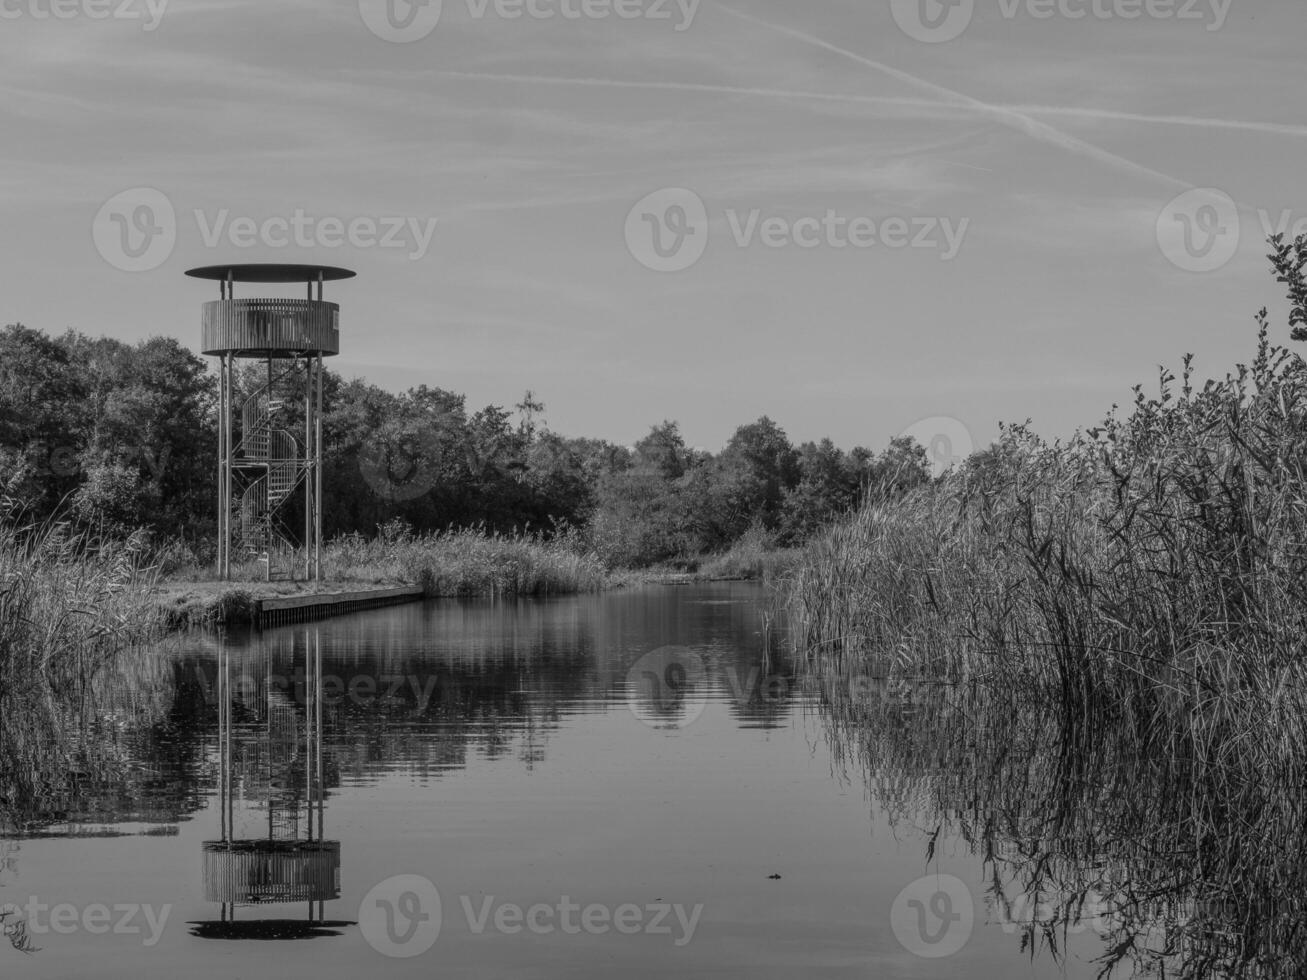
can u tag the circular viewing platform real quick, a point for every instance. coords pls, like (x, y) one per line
(252, 872)
(270, 272)
(270, 327)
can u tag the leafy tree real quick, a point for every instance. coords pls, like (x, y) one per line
(766, 456)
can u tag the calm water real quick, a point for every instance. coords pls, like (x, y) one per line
(597, 786)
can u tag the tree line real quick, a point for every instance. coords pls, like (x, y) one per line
(124, 436)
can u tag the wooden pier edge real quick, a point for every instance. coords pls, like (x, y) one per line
(282, 610)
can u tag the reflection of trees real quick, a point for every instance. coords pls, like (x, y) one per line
(483, 678)
(395, 708)
(1194, 867)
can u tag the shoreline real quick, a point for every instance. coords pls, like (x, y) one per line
(186, 605)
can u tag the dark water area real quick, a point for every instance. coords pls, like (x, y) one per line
(641, 783)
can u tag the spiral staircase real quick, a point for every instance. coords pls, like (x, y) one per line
(272, 461)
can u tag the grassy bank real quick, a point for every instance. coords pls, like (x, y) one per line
(1151, 573)
(455, 563)
(754, 557)
(452, 564)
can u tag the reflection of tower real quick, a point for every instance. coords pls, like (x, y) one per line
(271, 797)
(278, 446)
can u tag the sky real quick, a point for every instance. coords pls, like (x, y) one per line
(857, 217)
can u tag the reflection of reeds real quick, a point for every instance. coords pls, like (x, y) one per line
(1189, 868)
(15, 932)
(73, 759)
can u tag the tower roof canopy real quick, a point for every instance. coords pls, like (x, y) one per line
(270, 272)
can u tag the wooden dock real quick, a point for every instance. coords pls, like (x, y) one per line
(281, 610)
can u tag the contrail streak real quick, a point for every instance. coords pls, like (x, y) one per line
(772, 93)
(1069, 112)
(1206, 122)
(1031, 127)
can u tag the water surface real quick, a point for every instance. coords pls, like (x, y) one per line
(651, 754)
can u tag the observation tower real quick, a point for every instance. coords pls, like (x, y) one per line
(270, 414)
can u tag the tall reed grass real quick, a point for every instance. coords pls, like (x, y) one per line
(1149, 575)
(1114, 632)
(69, 601)
(469, 562)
